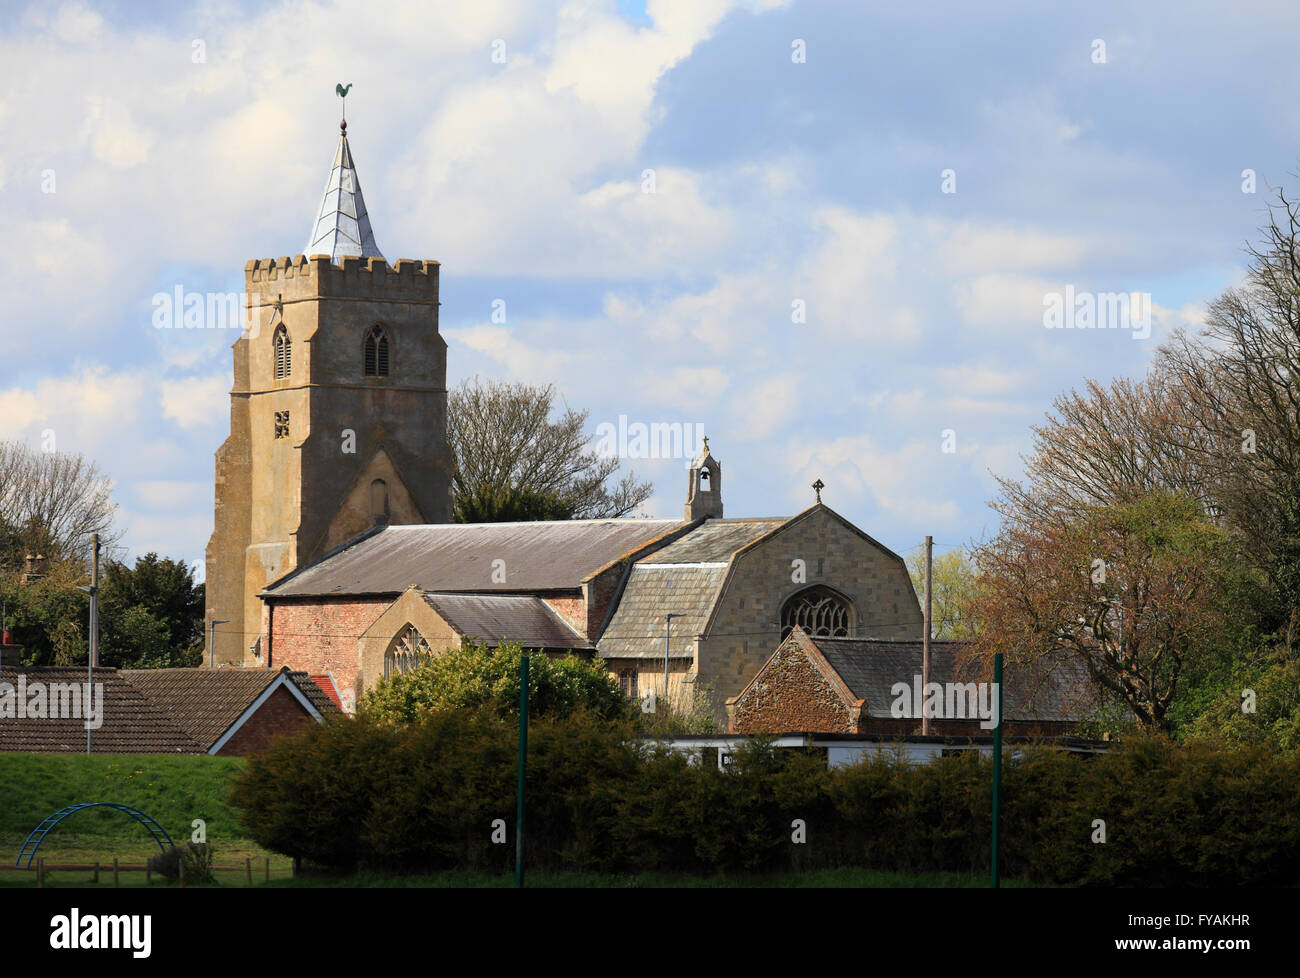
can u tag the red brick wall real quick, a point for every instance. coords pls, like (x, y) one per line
(319, 635)
(279, 715)
(790, 694)
(600, 595)
(571, 607)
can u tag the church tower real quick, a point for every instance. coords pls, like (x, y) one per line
(338, 414)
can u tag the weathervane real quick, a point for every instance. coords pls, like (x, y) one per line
(343, 94)
(818, 486)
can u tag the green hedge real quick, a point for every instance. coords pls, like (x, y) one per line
(356, 794)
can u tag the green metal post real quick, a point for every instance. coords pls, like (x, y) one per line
(523, 751)
(997, 764)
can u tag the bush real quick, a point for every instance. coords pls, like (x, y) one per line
(196, 857)
(425, 796)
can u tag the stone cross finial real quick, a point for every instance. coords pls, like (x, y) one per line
(706, 443)
(818, 486)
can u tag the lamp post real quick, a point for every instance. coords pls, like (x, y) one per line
(212, 639)
(92, 656)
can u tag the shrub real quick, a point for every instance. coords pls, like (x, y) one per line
(196, 857)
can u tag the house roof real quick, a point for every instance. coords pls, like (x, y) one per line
(871, 667)
(151, 711)
(713, 541)
(551, 555)
(636, 629)
(498, 618)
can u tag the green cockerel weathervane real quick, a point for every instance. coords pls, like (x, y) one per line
(342, 91)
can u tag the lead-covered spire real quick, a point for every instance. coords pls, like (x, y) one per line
(342, 225)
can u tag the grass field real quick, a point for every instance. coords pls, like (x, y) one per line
(173, 790)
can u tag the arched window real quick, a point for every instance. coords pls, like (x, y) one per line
(379, 499)
(819, 611)
(376, 353)
(283, 363)
(405, 651)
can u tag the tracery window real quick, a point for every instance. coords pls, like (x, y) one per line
(819, 611)
(405, 651)
(376, 352)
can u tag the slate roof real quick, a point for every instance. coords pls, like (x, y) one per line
(870, 668)
(498, 618)
(636, 630)
(713, 541)
(539, 556)
(149, 711)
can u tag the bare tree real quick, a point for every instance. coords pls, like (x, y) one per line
(512, 457)
(51, 503)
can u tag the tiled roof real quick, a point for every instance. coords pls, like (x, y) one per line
(636, 630)
(331, 692)
(871, 667)
(713, 541)
(151, 711)
(132, 723)
(540, 556)
(498, 618)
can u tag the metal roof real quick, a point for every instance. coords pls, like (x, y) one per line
(498, 618)
(342, 225)
(554, 555)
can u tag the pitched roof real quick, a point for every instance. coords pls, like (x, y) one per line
(132, 723)
(150, 711)
(636, 629)
(713, 541)
(551, 555)
(497, 618)
(870, 668)
(342, 225)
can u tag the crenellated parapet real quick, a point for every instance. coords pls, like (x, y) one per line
(351, 276)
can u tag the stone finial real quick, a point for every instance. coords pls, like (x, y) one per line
(818, 486)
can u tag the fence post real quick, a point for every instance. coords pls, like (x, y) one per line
(96, 870)
(181, 864)
(148, 873)
(40, 873)
(248, 868)
(268, 869)
(115, 872)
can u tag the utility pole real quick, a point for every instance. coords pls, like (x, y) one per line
(523, 753)
(668, 629)
(92, 659)
(925, 639)
(212, 639)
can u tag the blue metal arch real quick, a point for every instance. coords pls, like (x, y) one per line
(37, 835)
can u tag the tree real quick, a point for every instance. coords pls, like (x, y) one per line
(478, 677)
(1136, 591)
(151, 615)
(953, 585)
(514, 461)
(50, 504)
(1240, 381)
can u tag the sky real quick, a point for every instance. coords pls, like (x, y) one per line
(859, 215)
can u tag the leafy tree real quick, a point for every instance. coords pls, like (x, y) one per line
(50, 504)
(478, 677)
(1137, 591)
(151, 615)
(953, 586)
(513, 460)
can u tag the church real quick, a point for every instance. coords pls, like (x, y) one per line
(333, 552)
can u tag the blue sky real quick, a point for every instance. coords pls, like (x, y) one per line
(776, 182)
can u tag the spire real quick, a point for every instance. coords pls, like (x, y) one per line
(342, 224)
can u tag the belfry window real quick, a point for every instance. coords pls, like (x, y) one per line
(819, 611)
(281, 345)
(376, 352)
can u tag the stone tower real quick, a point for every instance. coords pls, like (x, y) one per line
(338, 414)
(704, 495)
